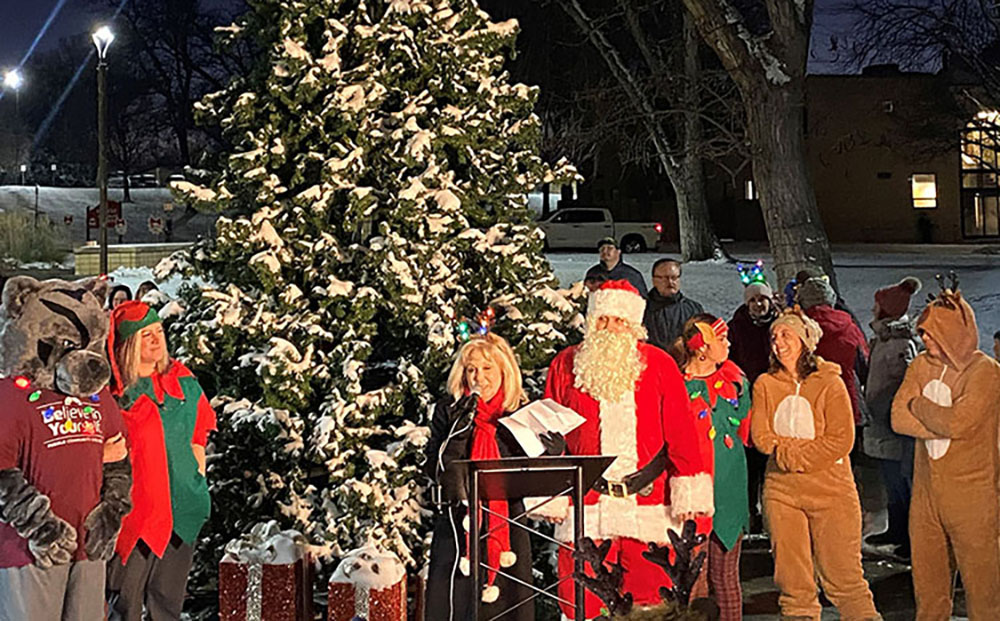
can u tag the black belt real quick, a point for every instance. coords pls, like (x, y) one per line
(637, 481)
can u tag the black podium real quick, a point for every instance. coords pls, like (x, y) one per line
(524, 477)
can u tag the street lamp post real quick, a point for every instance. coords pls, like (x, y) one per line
(13, 80)
(102, 41)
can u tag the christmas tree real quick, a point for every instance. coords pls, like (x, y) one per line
(375, 196)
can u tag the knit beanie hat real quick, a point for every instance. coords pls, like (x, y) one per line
(814, 292)
(800, 323)
(617, 298)
(757, 288)
(893, 301)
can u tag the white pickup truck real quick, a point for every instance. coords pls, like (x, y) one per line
(583, 227)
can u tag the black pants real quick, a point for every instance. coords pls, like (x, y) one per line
(159, 584)
(897, 489)
(756, 465)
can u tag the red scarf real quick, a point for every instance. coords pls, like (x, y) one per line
(484, 446)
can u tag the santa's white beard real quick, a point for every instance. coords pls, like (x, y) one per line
(607, 365)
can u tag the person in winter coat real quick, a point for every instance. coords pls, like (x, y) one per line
(720, 407)
(611, 267)
(483, 387)
(801, 417)
(843, 343)
(632, 397)
(666, 307)
(894, 346)
(750, 336)
(948, 401)
(168, 419)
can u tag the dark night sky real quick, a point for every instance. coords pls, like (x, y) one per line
(23, 19)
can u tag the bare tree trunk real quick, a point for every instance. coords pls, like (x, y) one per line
(697, 237)
(769, 70)
(794, 228)
(698, 241)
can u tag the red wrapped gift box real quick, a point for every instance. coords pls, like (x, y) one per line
(258, 583)
(370, 585)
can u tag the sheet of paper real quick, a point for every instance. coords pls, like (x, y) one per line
(539, 417)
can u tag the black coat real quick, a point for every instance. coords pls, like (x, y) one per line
(751, 342)
(665, 316)
(448, 528)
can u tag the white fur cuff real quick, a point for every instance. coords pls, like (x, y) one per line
(558, 509)
(692, 494)
(491, 593)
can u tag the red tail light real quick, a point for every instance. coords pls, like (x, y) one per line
(658, 227)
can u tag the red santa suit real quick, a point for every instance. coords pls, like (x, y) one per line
(634, 430)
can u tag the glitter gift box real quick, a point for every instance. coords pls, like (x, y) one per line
(266, 576)
(368, 584)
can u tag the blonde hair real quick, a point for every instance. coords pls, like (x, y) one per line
(497, 349)
(128, 354)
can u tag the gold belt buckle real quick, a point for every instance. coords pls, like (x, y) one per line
(617, 489)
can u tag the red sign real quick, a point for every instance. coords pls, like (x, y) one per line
(67, 220)
(114, 215)
(155, 225)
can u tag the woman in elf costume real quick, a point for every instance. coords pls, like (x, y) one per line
(168, 419)
(720, 404)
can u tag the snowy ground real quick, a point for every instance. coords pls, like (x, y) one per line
(56, 203)
(860, 271)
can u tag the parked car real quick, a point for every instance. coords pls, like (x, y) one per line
(583, 227)
(142, 181)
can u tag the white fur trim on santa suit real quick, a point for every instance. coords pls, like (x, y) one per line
(692, 494)
(623, 517)
(617, 303)
(558, 509)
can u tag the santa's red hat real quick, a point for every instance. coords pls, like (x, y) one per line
(617, 298)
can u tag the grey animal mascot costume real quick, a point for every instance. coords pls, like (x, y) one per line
(61, 506)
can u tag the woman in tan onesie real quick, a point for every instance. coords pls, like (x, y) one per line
(949, 401)
(802, 418)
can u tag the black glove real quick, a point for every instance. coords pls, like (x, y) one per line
(466, 406)
(51, 539)
(105, 521)
(554, 443)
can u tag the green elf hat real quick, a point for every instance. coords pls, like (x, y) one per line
(126, 319)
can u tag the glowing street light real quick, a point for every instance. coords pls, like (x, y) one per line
(13, 79)
(102, 41)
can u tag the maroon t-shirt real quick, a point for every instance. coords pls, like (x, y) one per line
(58, 443)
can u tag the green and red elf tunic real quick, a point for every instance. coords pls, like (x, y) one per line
(720, 405)
(165, 414)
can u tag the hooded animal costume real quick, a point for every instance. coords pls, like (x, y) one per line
(655, 442)
(61, 507)
(810, 501)
(950, 406)
(165, 414)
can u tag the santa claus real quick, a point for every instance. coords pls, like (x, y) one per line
(633, 398)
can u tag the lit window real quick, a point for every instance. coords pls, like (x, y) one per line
(923, 186)
(750, 191)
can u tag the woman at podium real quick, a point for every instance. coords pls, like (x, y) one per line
(484, 386)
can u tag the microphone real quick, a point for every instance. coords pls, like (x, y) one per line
(474, 390)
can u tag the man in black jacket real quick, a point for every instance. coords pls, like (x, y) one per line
(612, 267)
(666, 307)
